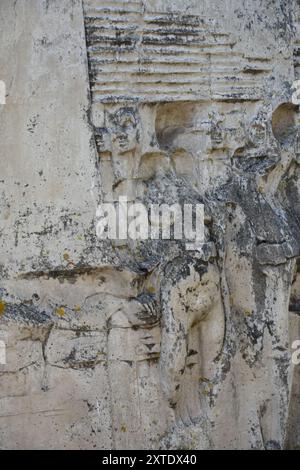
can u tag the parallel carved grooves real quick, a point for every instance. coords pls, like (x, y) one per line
(141, 56)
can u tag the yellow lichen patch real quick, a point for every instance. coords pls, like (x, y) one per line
(151, 290)
(261, 189)
(66, 256)
(60, 312)
(2, 307)
(247, 312)
(77, 308)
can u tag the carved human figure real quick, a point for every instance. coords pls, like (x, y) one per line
(192, 333)
(258, 260)
(261, 244)
(117, 145)
(187, 285)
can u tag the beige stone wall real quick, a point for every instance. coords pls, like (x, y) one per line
(145, 344)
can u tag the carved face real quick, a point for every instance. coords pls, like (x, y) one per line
(103, 140)
(260, 152)
(124, 130)
(258, 132)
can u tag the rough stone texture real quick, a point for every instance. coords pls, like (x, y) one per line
(146, 344)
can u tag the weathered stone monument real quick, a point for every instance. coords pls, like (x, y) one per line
(149, 343)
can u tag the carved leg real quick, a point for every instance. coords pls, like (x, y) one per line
(189, 406)
(173, 347)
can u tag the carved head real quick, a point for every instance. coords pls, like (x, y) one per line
(124, 128)
(103, 140)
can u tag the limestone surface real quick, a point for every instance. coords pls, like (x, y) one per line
(150, 343)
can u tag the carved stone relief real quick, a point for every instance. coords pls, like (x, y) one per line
(156, 343)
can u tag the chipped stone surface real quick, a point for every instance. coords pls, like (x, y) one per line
(145, 343)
